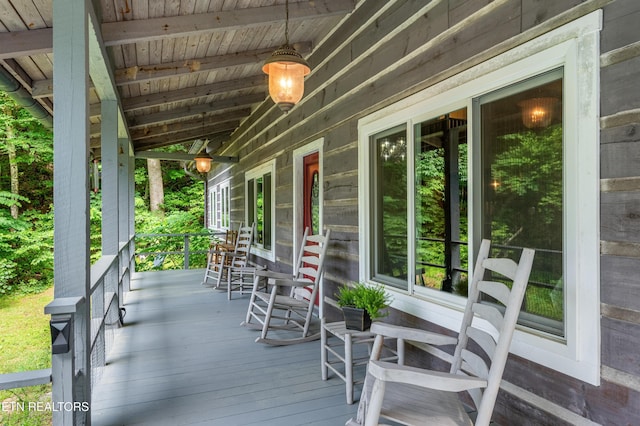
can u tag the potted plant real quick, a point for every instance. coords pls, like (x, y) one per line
(361, 304)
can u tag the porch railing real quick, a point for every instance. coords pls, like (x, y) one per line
(172, 251)
(110, 278)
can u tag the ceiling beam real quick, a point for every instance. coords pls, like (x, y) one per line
(141, 74)
(189, 93)
(26, 43)
(195, 123)
(127, 32)
(186, 136)
(178, 156)
(195, 110)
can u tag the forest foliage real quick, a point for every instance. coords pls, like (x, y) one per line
(26, 203)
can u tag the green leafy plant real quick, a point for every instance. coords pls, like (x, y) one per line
(373, 299)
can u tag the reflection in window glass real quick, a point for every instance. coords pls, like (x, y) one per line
(522, 189)
(441, 202)
(390, 211)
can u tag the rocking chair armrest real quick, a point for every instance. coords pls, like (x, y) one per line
(412, 334)
(438, 380)
(274, 275)
(289, 282)
(244, 269)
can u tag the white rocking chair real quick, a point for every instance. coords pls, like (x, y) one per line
(415, 396)
(289, 303)
(235, 266)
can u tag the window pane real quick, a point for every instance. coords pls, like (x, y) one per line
(259, 210)
(522, 190)
(441, 202)
(251, 203)
(390, 209)
(266, 212)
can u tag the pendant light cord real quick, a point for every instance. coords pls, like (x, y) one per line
(286, 22)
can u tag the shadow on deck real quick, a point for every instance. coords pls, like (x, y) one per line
(183, 358)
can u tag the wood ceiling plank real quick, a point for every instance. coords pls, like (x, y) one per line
(194, 123)
(168, 116)
(28, 13)
(156, 99)
(124, 32)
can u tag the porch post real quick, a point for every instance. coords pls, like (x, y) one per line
(125, 199)
(110, 178)
(131, 216)
(71, 214)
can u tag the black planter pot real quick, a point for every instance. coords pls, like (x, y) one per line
(356, 318)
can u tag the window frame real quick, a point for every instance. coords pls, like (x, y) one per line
(257, 172)
(574, 46)
(216, 213)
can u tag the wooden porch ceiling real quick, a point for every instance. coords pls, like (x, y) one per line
(182, 69)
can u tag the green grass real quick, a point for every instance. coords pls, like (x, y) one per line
(25, 344)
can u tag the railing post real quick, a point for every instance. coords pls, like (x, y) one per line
(186, 251)
(69, 396)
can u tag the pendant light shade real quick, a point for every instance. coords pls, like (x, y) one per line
(286, 69)
(203, 162)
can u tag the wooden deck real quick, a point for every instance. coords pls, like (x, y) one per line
(183, 358)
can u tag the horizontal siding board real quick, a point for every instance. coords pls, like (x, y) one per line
(620, 282)
(620, 159)
(620, 343)
(535, 13)
(612, 404)
(620, 216)
(629, 133)
(620, 24)
(462, 9)
(619, 83)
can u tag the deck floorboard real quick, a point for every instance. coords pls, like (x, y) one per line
(182, 358)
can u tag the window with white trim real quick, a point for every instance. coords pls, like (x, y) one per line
(507, 151)
(260, 207)
(219, 209)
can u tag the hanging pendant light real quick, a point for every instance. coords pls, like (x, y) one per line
(286, 69)
(203, 162)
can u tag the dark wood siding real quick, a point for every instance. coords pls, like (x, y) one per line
(404, 49)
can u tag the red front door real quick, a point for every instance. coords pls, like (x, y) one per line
(311, 194)
(311, 198)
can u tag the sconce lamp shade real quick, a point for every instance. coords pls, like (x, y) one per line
(286, 69)
(537, 112)
(203, 162)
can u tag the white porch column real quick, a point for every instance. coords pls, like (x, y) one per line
(110, 178)
(71, 201)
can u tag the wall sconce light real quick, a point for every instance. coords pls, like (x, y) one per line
(286, 69)
(537, 112)
(203, 162)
